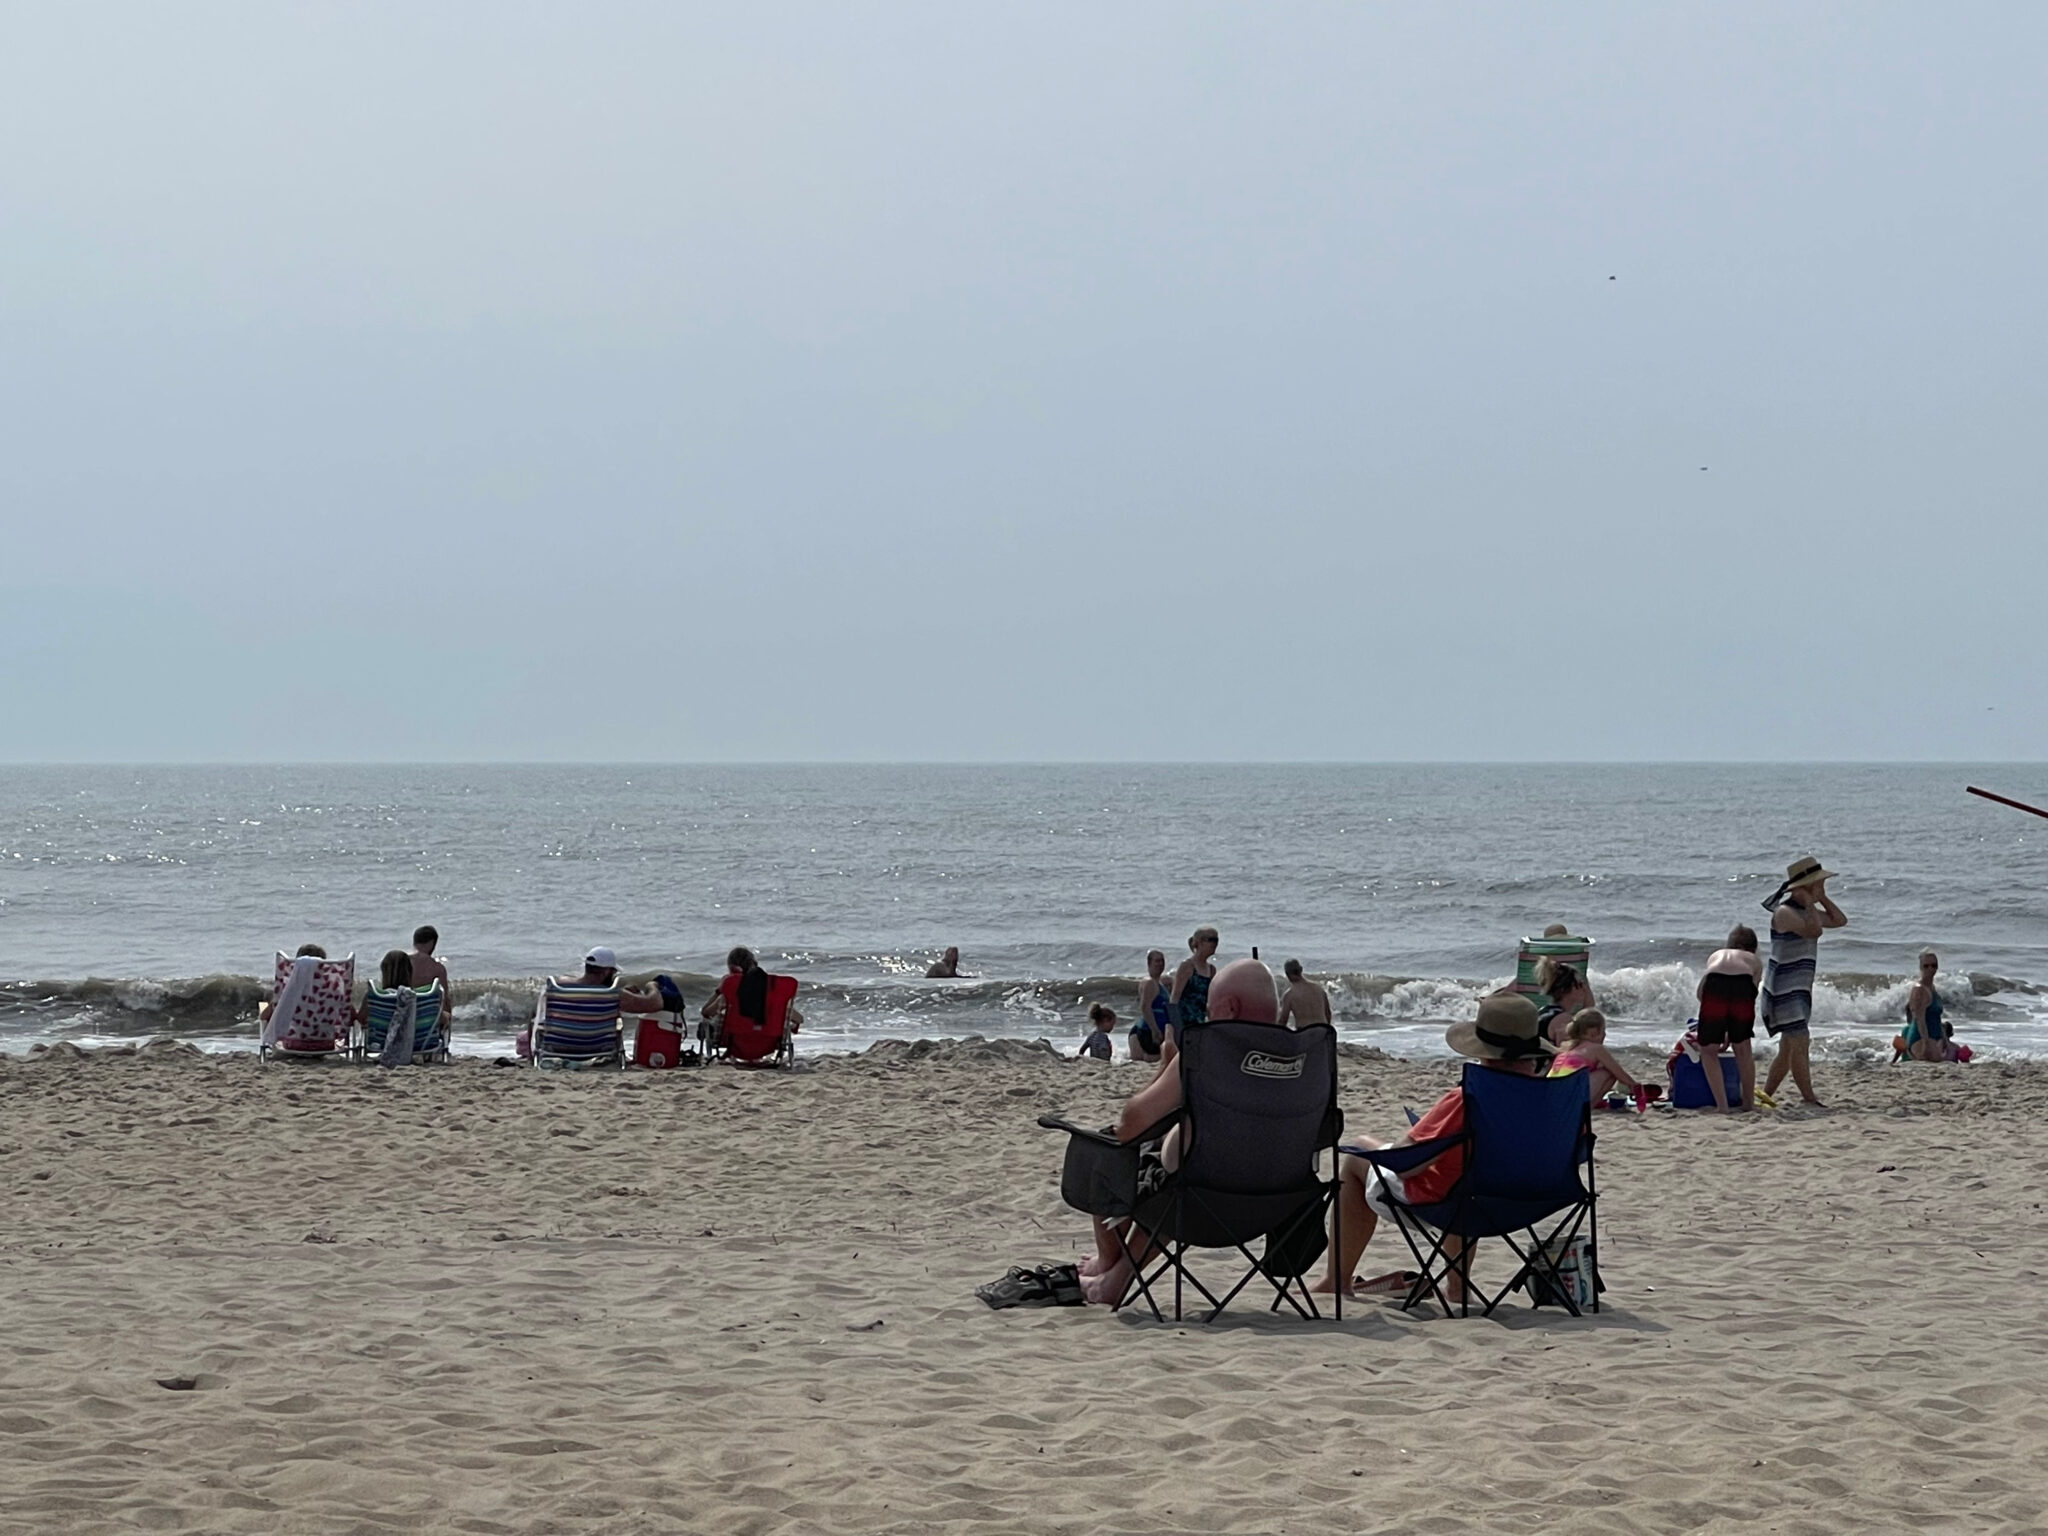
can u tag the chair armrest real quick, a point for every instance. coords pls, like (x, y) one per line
(1107, 1136)
(1103, 1138)
(1404, 1159)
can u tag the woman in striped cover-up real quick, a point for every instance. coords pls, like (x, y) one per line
(1800, 910)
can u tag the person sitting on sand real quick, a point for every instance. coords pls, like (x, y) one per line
(263, 1010)
(750, 996)
(1243, 990)
(1585, 1050)
(947, 967)
(1303, 1002)
(1155, 1011)
(1727, 1014)
(1101, 1020)
(1564, 992)
(1927, 1034)
(601, 969)
(1505, 1037)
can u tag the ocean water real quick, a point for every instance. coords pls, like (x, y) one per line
(144, 901)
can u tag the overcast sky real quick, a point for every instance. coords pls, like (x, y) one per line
(1167, 381)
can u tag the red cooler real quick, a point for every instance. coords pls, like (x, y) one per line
(657, 1046)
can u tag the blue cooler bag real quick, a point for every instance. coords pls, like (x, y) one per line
(1689, 1083)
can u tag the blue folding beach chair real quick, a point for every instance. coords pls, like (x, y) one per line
(429, 1034)
(1259, 1111)
(1528, 1161)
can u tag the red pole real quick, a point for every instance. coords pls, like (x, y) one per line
(2018, 805)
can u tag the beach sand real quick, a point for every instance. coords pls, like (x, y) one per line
(486, 1300)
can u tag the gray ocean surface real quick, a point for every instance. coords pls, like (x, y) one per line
(137, 901)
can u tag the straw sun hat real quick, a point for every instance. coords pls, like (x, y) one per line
(1805, 872)
(1507, 1029)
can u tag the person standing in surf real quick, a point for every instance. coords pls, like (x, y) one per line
(1191, 978)
(1155, 1011)
(1800, 912)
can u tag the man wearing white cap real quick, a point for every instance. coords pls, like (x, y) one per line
(601, 969)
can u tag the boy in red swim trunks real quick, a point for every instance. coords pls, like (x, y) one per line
(1727, 997)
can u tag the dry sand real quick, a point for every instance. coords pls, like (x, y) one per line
(478, 1299)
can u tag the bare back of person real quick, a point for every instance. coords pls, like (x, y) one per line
(1736, 962)
(1304, 1002)
(426, 970)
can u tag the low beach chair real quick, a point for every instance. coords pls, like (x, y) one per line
(1259, 1110)
(430, 1032)
(1528, 1144)
(578, 1027)
(317, 1022)
(749, 1042)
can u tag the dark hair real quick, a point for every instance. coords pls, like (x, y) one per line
(397, 969)
(741, 959)
(1101, 1013)
(1742, 936)
(426, 936)
(312, 949)
(1293, 969)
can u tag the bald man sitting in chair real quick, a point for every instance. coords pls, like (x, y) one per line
(1242, 990)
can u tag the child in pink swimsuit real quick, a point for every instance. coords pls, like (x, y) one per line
(1585, 1050)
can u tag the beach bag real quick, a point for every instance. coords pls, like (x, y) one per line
(656, 1046)
(1575, 1271)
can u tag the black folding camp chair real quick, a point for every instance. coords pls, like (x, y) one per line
(1528, 1161)
(1259, 1110)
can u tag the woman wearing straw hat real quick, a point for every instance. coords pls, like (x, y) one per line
(1505, 1036)
(1800, 910)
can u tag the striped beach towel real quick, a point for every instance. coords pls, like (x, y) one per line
(1786, 1001)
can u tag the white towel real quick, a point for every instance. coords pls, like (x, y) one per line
(295, 992)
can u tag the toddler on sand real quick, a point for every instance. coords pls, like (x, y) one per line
(1101, 1020)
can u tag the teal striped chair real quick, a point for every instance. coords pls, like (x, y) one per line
(579, 1027)
(429, 1037)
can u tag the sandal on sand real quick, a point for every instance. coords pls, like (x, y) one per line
(1050, 1285)
(1396, 1284)
(1064, 1282)
(1021, 1287)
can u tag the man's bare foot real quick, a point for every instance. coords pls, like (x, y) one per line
(1107, 1288)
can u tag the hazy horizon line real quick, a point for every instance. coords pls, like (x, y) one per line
(1083, 762)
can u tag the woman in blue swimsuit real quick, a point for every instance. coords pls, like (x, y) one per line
(1191, 980)
(1155, 1012)
(1926, 1034)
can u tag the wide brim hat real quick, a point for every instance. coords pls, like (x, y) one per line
(1507, 1029)
(1804, 872)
